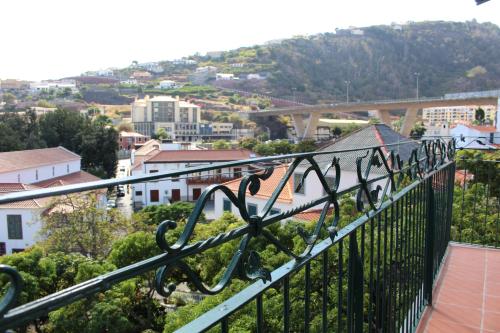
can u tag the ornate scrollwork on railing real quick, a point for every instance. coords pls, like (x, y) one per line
(372, 188)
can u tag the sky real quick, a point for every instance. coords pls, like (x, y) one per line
(51, 39)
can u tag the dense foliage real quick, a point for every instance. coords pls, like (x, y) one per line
(94, 140)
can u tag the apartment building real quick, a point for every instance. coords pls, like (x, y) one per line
(180, 119)
(456, 114)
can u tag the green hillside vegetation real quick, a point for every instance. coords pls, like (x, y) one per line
(381, 63)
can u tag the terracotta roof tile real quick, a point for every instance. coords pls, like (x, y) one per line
(485, 129)
(18, 187)
(311, 215)
(201, 155)
(25, 159)
(69, 179)
(268, 186)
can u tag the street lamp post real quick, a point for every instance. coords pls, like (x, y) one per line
(347, 83)
(417, 74)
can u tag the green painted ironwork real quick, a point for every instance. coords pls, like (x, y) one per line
(393, 253)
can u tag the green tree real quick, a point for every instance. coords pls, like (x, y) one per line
(221, 144)
(155, 214)
(76, 223)
(305, 146)
(264, 149)
(479, 115)
(8, 98)
(162, 134)
(418, 131)
(248, 143)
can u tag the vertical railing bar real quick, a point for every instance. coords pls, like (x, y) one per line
(339, 290)
(224, 325)
(462, 207)
(378, 296)
(474, 218)
(399, 247)
(406, 263)
(391, 272)
(307, 297)
(372, 251)
(260, 314)
(384, 285)
(412, 266)
(488, 193)
(325, 293)
(286, 304)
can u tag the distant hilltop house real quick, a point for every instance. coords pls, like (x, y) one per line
(203, 74)
(237, 65)
(37, 87)
(102, 72)
(12, 85)
(224, 77)
(169, 156)
(168, 84)
(153, 67)
(20, 222)
(294, 195)
(184, 62)
(141, 76)
(255, 77)
(42, 110)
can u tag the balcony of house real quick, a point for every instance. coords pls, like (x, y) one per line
(395, 238)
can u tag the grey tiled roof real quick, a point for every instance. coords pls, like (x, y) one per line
(374, 135)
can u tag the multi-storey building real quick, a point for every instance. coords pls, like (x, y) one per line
(171, 156)
(456, 114)
(180, 119)
(20, 222)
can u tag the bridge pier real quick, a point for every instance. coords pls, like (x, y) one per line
(384, 116)
(410, 118)
(305, 128)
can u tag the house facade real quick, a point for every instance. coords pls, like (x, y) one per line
(20, 222)
(171, 158)
(294, 195)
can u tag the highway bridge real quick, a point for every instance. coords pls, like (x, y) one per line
(306, 118)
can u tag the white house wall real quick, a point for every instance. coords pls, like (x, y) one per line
(31, 223)
(29, 176)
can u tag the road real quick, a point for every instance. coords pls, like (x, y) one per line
(125, 203)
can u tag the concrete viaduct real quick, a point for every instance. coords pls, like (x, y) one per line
(305, 118)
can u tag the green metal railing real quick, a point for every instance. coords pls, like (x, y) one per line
(372, 273)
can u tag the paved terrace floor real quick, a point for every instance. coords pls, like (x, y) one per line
(467, 293)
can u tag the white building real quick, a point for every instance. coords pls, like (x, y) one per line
(224, 77)
(53, 85)
(294, 196)
(467, 136)
(171, 157)
(456, 114)
(180, 119)
(28, 170)
(167, 84)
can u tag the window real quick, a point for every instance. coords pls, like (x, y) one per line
(154, 195)
(36, 174)
(297, 177)
(175, 179)
(14, 227)
(3, 249)
(237, 172)
(17, 250)
(138, 193)
(226, 205)
(252, 209)
(53, 171)
(153, 171)
(274, 211)
(67, 168)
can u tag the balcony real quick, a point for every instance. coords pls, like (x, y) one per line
(210, 179)
(386, 254)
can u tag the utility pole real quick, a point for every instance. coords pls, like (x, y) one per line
(347, 83)
(417, 74)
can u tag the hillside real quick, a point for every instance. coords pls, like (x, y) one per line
(380, 63)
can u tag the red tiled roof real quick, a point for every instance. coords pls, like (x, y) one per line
(18, 187)
(201, 155)
(311, 215)
(268, 186)
(25, 159)
(69, 179)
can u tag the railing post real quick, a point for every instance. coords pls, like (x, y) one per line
(429, 242)
(354, 288)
